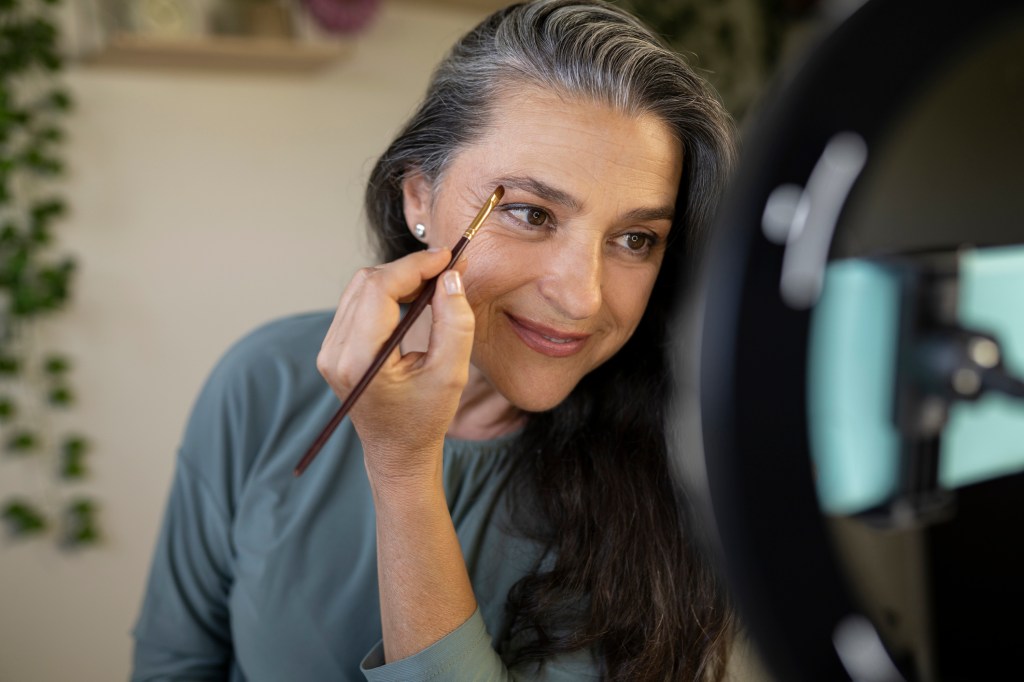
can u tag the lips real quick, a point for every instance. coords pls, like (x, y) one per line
(547, 341)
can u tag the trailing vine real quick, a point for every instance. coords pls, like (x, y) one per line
(35, 282)
(738, 44)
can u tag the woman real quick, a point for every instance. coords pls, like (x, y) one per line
(498, 505)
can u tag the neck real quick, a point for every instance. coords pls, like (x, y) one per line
(483, 412)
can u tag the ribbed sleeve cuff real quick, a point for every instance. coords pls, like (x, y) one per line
(465, 653)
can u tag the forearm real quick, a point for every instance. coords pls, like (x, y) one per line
(425, 592)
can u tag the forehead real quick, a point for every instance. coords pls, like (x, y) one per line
(533, 129)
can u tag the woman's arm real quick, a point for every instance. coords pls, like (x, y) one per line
(425, 591)
(401, 420)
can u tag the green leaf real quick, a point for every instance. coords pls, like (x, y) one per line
(85, 535)
(35, 291)
(54, 282)
(75, 445)
(20, 117)
(25, 298)
(50, 134)
(35, 160)
(61, 396)
(56, 365)
(73, 469)
(60, 100)
(82, 507)
(49, 208)
(73, 452)
(8, 408)
(80, 523)
(51, 61)
(43, 214)
(23, 518)
(9, 234)
(9, 365)
(40, 234)
(22, 442)
(13, 266)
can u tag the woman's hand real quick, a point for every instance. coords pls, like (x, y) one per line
(404, 413)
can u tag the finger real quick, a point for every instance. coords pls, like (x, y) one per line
(350, 322)
(369, 303)
(451, 330)
(403, 279)
(369, 312)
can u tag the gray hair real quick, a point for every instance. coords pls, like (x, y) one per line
(585, 50)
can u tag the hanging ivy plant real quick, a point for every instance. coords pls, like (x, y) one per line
(738, 44)
(35, 279)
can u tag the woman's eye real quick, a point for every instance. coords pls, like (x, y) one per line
(637, 242)
(537, 217)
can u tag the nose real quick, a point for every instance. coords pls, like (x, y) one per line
(572, 283)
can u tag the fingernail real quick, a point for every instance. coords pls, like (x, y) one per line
(452, 282)
(434, 249)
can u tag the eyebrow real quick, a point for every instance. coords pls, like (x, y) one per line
(650, 214)
(555, 195)
(541, 189)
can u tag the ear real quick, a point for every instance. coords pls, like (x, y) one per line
(416, 199)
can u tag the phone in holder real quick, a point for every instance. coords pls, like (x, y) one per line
(900, 363)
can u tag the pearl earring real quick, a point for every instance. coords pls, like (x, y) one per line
(420, 230)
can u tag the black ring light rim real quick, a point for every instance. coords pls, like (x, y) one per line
(753, 357)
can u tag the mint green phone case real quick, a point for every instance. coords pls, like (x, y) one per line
(851, 374)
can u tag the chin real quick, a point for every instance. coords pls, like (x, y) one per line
(528, 399)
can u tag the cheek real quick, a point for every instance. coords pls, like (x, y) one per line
(485, 280)
(492, 269)
(626, 299)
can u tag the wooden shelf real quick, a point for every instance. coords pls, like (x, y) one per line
(219, 53)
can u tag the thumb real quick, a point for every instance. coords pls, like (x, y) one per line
(451, 331)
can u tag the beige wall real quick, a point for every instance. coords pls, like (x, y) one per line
(203, 205)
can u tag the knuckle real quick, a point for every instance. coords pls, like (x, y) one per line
(463, 324)
(366, 275)
(323, 364)
(334, 369)
(456, 380)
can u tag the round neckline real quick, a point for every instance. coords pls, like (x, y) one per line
(496, 442)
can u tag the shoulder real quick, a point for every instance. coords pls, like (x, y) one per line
(256, 402)
(260, 380)
(286, 340)
(277, 355)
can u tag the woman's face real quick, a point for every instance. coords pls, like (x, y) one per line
(559, 275)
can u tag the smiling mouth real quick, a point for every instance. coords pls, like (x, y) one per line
(546, 341)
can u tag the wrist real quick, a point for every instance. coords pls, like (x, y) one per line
(405, 475)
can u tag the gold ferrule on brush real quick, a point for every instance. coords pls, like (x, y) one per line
(484, 212)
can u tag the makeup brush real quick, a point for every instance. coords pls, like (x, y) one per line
(414, 311)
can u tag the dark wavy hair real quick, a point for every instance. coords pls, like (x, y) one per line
(591, 477)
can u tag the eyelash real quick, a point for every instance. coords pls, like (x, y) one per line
(650, 240)
(512, 209)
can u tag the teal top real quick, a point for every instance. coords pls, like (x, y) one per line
(258, 575)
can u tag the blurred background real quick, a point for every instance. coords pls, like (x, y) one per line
(176, 172)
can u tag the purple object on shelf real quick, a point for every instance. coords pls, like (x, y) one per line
(342, 16)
